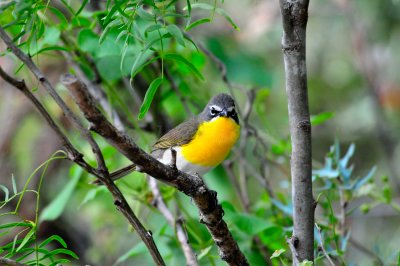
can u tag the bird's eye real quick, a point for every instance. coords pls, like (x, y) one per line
(213, 111)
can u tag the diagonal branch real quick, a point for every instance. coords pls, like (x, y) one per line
(192, 185)
(8, 262)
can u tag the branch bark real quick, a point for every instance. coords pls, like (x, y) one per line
(192, 185)
(294, 19)
(8, 262)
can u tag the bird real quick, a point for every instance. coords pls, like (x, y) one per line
(200, 143)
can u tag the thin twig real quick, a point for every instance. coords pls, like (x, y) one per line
(293, 243)
(159, 203)
(322, 246)
(192, 185)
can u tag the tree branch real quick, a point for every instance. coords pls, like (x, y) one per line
(8, 262)
(210, 211)
(294, 18)
(159, 203)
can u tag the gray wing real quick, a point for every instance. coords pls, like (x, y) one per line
(179, 135)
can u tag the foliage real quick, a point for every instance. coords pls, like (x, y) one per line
(25, 246)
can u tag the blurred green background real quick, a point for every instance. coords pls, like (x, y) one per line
(354, 97)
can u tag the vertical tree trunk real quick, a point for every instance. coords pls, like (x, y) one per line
(294, 18)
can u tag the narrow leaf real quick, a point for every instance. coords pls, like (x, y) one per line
(181, 59)
(53, 238)
(148, 98)
(197, 23)
(56, 207)
(14, 184)
(228, 18)
(28, 236)
(321, 118)
(176, 32)
(277, 253)
(15, 224)
(6, 192)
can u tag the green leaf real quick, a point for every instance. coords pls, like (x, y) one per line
(61, 17)
(53, 238)
(188, 7)
(148, 98)
(51, 48)
(15, 224)
(176, 32)
(56, 207)
(306, 263)
(144, 14)
(51, 36)
(181, 59)
(321, 118)
(60, 251)
(108, 67)
(204, 6)
(220, 11)
(197, 23)
(249, 224)
(204, 252)
(152, 28)
(84, 2)
(91, 194)
(14, 185)
(228, 18)
(110, 25)
(27, 237)
(277, 253)
(134, 251)
(88, 41)
(6, 192)
(398, 261)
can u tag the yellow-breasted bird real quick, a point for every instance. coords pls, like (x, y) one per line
(202, 142)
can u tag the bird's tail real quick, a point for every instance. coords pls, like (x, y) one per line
(118, 174)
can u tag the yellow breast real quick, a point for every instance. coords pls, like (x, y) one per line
(212, 142)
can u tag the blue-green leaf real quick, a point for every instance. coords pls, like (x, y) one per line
(148, 98)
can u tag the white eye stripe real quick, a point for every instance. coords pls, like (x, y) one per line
(216, 107)
(230, 109)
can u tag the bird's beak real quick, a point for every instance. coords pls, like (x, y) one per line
(224, 113)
